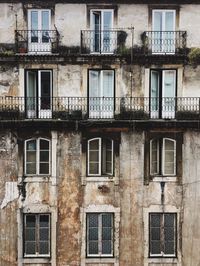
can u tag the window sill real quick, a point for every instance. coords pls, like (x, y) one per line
(37, 178)
(100, 260)
(99, 178)
(163, 260)
(36, 260)
(164, 178)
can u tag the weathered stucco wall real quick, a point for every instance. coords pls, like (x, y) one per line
(8, 199)
(9, 83)
(70, 20)
(9, 13)
(69, 199)
(191, 199)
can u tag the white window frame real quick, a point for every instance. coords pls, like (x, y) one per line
(162, 148)
(164, 153)
(102, 113)
(39, 11)
(37, 156)
(102, 11)
(100, 173)
(157, 172)
(37, 228)
(162, 228)
(42, 113)
(100, 254)
(163, 11)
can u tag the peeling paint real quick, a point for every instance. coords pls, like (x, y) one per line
(11, 193)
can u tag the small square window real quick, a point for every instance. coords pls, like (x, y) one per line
(100, 234)
(162, 234)
(36, 235)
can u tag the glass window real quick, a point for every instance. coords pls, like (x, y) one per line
(100, 234)
(100, 156)
(37, 156)
(36, 234)
(163, 157)
(162, 235)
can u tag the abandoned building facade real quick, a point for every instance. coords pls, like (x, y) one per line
(99, 133)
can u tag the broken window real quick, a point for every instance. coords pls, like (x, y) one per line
(100, 234)
(163, 234)
(36, 235)
(37, 157)
(100, 156)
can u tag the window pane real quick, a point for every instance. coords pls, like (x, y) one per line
(44, 144)
(94, 168)
(44, 156)
(30, 247)
(93, 234)
(107, 220)
(44, 220)
(93, 220)
(30, 234)
(44, 168)
(155, 247)
(44, 234)
(155, 233)
(108, 167)
(108, 156)
(94, 156)
(155, 220)
(106, 247)
(31, 168)
(34, 20)
(169, 156)
(31, 156)
(93, 247)
(154, 156)
(31, 145)
(106, 233)
(45, 20)
(169, 168)
(107, 21)
(169, 247)
(169, 233)
(169, 145)
(30, 220)
(43, 247)
(169, 219)
(94, 145)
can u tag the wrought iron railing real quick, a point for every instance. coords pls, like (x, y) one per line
(122, 108)
(103, 41)
(36, 41)
(164, 42)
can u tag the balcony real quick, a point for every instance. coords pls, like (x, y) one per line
(36, 41)
(164, 42)
(102, 41)
(96, 108)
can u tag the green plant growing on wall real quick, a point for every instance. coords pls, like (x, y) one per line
(194, 56)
